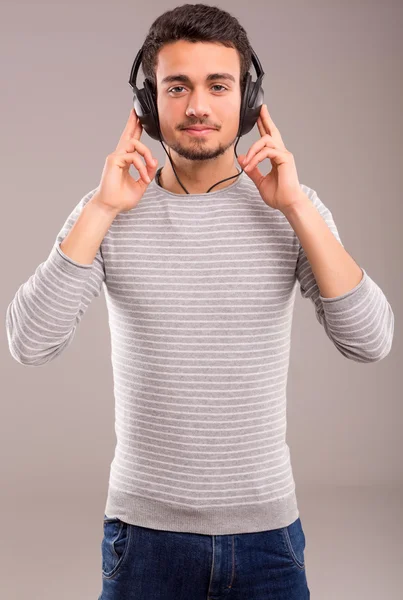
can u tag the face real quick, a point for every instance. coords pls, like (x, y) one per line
(186, 97)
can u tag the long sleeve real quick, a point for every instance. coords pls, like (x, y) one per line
(360, 322)
(44, 314)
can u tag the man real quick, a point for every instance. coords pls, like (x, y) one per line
(200, 289)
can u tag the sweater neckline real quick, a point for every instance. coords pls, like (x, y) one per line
(233, 185)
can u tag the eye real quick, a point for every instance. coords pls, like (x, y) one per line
(181, 86)
(175, 88)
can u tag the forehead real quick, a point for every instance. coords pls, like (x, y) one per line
(198, 61)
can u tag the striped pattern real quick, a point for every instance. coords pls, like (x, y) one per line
(200, 292)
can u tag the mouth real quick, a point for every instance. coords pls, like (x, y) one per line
(197, 131)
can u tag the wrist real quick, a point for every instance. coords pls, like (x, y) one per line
(109, 211)
(300, 205)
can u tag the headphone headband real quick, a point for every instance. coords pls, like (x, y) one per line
(139, 56)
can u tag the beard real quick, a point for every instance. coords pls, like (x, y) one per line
(198, 149)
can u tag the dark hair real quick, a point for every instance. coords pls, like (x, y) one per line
(195, 23)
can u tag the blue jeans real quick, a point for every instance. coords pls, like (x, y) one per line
(139, 563)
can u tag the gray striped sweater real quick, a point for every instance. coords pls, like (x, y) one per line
(200, 291)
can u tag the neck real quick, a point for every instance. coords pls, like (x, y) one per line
(196, 183)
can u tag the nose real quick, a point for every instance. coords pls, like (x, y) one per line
(198, 107)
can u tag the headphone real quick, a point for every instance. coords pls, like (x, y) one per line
(145, 105)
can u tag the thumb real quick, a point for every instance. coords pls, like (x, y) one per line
(241, 160)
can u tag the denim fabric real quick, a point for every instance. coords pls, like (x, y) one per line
(139, 563)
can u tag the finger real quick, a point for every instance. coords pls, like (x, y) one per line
(277, 157)
(266, 116)
(130, 123)
(270, 127)
(253, 150)
(141, 148)
(255, 160)
(141, 167)
(132, 129)
(132, 158)
(261, 128)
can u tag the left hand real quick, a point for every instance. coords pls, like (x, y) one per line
(280, 188)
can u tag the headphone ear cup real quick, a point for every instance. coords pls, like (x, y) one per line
(245, 96)
(252, 102)
(252, 112)
(154, 124)
(143, 103)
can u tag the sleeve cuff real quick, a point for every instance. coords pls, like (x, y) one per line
(361, 284)
(68, 264)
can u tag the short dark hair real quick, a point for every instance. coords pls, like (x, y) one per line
(195, 23)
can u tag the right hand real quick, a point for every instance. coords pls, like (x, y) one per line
(118, 190)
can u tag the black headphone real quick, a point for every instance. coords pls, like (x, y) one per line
(145, 105)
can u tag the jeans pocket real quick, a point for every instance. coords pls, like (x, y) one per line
(294, 539)
(115, 544)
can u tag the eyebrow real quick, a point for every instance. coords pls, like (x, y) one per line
(186, 79)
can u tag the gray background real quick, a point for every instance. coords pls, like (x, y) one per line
(333, 85)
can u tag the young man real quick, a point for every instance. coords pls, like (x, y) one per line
(200, 288)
